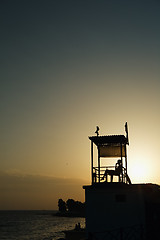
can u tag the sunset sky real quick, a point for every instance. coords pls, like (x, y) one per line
(66, 67)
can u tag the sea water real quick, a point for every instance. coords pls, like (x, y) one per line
(35, 225)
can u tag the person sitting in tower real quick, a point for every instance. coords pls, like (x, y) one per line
(118, 166)
(116, 172)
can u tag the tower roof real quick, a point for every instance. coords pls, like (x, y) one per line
(110, 139)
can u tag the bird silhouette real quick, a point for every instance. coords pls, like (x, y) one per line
(97, 131)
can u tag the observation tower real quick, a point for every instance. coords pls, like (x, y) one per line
(110, 147)
(116, 208)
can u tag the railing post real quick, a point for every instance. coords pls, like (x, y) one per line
(122, 160)
(125, 163)
(98, 164)
(92, 162)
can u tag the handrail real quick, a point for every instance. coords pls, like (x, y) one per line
(108, 171)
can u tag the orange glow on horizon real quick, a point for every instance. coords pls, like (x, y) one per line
(140, 173)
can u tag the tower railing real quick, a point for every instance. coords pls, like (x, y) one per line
(109, 174)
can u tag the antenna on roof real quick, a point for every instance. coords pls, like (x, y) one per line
(126, 129)
(97, 131)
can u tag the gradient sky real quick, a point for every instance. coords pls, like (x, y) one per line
(66, 67)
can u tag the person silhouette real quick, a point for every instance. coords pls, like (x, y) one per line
(116, 172)
(118, 168)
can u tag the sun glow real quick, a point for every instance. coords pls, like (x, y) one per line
(140, 173)
(140, 164)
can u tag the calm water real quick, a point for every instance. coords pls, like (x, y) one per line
(34, 225)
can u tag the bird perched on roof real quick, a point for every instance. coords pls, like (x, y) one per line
(97, 131)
